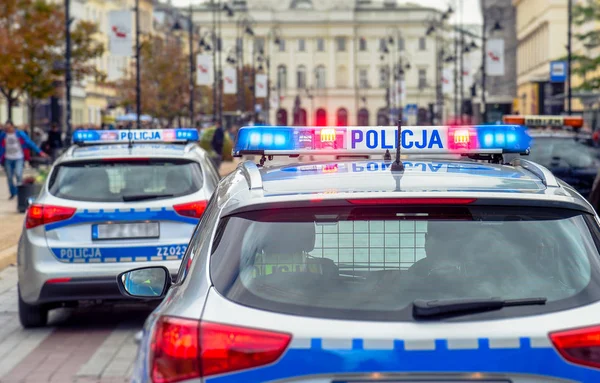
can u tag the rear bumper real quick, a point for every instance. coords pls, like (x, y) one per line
(80, 289)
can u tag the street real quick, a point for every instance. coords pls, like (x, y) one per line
(86, 345)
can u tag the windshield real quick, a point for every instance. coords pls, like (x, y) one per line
(125, 180)
(553, 152)
(372, 263)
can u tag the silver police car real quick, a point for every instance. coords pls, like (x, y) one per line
(114, 199)
(485, 269)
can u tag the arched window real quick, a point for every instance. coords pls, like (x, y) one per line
(281, 77)
(320, 77)
(363, 117)
(383, 118)
(301, 77)
(300, 117)
(282, 117)
(342, 117)
(341, 80)
(321, 117)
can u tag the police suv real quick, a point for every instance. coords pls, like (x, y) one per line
(484, 269)
(112, 200)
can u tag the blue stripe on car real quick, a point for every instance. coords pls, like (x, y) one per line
(315, 360)
(87, 216)
(119, 254)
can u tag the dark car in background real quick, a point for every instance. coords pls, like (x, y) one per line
(569, 156)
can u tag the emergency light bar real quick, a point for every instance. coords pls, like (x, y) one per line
(134, 135)
(366, 140)
(557, 121)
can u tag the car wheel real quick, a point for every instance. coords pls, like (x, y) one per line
(32, 315)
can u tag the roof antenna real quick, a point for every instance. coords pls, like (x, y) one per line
(398, 166)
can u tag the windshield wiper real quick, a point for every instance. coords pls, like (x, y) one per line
(444, 307)
(143, 197)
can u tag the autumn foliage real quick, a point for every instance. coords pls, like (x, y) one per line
(32, 46)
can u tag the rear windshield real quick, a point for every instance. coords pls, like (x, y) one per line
(553, 152)
(127, 180)
(371, 263)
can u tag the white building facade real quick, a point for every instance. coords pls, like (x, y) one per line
(332, 60)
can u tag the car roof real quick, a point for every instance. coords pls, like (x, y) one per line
(153, 150)
(301, 181)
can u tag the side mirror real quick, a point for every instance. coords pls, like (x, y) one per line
(30, 201)
(145, 283)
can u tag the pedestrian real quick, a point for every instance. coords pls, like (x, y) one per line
(55, 141)
(217, 143)
(15, 149)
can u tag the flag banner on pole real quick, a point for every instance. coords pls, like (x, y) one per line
(447, 81)
(261, 85)
(229, 80)
(467, 72)
(121, 33)
(204, 69)
(494, 57)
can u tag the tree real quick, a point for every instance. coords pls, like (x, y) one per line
(32, 46)
(164, 72)
(585, 65)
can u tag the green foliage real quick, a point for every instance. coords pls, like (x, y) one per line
(585, 64)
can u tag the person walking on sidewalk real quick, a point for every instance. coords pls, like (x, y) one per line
(217, 143)
(15, 149)
(55, 141)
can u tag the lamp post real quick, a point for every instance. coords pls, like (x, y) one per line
(68, 66)
(569, 57)
(192, 65)
(243, 27)
(138, 88)
(437, 27)
(484, 31)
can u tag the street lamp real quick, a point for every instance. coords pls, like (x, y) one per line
(190, 25)
(494, 12)
(437, 27)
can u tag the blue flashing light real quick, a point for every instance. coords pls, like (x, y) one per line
(288, 140)
(135, 135)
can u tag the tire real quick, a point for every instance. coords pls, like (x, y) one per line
(32, 316)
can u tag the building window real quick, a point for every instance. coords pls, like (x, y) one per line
(281, 77)
(239, 44)
(422, 43)
(301, 45)
(362, 44)
(301, 77)
(400, 43)
(259, 45)
(320, 77)
(383, 77)
(340, 43)
(281, 45)
(363, 78)
(382, 45)
(422, 78)
(320, 45)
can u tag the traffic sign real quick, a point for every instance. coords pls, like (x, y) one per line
(558, 71)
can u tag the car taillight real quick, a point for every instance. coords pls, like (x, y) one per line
(38, 214)
(187, 349)
(191, 209)
(580, 346)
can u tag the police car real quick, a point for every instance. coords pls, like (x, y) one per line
(485, 269)
(561, 146)
(112, 200)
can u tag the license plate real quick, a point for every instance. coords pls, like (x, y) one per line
(126, 230)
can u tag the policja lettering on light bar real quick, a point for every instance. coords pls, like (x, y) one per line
(373, 139)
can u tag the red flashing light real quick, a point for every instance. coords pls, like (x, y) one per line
(39, 214)
(187, 349)
(58, 280)
(580, 346)
(462, 138)
(412, 201)
(191, 209)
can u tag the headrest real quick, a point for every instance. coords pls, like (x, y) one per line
(278, 238)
